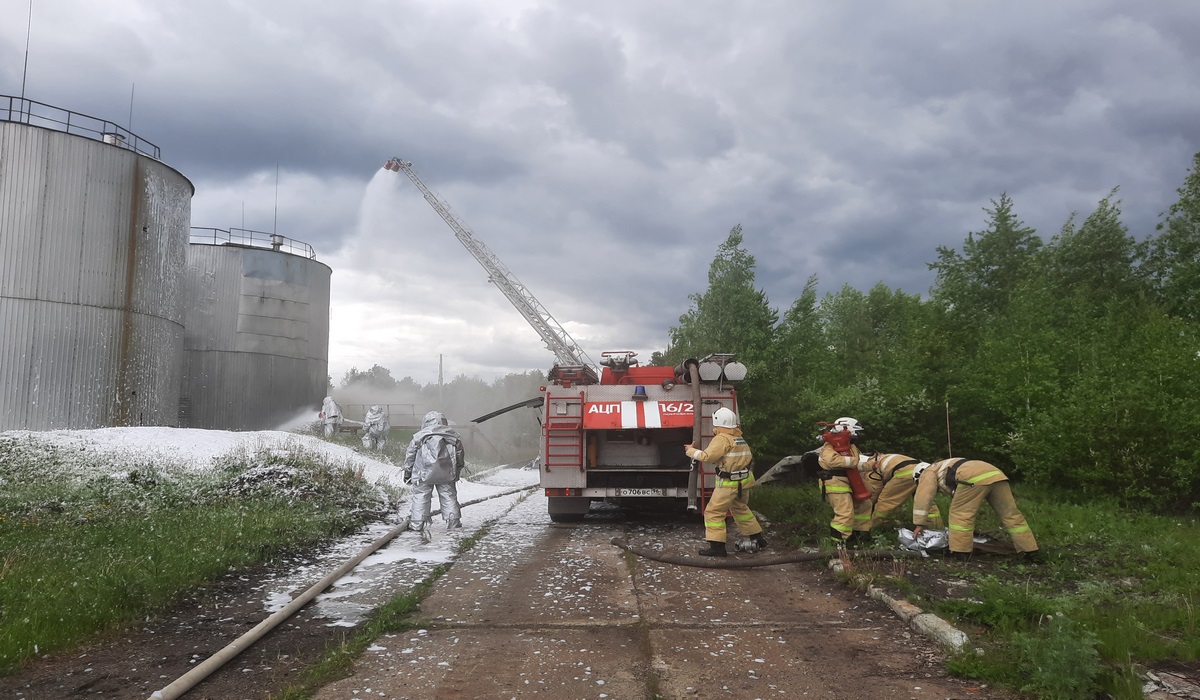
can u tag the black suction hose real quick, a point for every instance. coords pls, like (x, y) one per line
(728, 563)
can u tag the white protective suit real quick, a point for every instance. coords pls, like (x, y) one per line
(375, 428)
(331, 416)
(426, 475)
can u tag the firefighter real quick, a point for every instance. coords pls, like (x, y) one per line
(840, 459)
(375, 428)
(970, 482)
(731, 455)
(331, 416)
(890, 479)
(434, 461)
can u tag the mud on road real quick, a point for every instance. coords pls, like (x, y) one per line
(536, 609)
(557, 611)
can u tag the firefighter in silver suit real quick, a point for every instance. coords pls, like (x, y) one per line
(375, 428)
(331, 416)
(434, 461)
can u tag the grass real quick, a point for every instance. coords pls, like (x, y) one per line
(91, 545)
(397, 615)
(1119, 592)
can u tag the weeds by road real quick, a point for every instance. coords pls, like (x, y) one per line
(1117, 595)
(92, 543)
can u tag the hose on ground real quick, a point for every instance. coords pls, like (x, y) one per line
(206, 668)
(731, 563)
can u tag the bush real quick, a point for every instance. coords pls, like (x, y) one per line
(1060, 660)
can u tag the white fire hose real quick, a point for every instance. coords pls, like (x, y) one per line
(188, 680)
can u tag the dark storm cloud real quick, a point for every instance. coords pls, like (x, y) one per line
(604, 150)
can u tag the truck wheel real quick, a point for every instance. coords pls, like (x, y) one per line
(567, 509)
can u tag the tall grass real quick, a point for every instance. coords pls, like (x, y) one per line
(90, 544)
(1120, 591)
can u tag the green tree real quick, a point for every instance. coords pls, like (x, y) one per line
(880, 349)
(979, 282)
(798, 360)
(1172, 259)
(731, 316)
(975, 290)
(1096, 262)
(377, 378)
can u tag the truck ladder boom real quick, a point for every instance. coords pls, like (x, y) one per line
(558, 341)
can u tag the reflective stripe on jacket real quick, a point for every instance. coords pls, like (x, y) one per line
(728, 451)
(935, 479)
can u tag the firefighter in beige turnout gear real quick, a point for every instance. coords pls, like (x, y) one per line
(851, 519)
(890, 478)
(970, 482)
(730, 454)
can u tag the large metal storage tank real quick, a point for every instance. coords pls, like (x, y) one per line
(256, 348)
(93, 238)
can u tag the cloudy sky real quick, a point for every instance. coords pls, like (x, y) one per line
(603, 150)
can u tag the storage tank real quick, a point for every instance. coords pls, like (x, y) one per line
(93, 239)
(256, 345)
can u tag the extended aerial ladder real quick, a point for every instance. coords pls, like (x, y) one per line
(570, 358)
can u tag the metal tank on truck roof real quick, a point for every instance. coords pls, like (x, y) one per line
(94, 231)
(256, 345)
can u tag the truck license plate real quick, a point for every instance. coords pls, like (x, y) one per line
(639, 492)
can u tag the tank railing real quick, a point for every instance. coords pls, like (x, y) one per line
(250, 239)
(22, 111)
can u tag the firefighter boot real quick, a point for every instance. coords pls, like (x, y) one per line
(859, 539)
(958, 556)
(759, 540)
(1035, 557)
(715, 549)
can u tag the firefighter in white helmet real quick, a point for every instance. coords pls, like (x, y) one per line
(731, 456)
(890, 479)
(971, 482)
(839, 457)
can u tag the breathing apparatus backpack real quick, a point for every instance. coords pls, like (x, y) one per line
(437, 460)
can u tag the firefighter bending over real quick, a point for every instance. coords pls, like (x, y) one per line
(890, 480)
(971, 482)
(730, 454)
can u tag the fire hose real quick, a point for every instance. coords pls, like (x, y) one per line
(693, 373)
(206, 668)
(725, 563)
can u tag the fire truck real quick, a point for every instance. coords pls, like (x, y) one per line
(616, 434)
(622, 437)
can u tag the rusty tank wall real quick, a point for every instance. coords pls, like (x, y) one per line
(93, 240)
(256, 345)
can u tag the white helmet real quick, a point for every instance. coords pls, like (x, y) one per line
(849, 423)
(919, 469)
(724, 418)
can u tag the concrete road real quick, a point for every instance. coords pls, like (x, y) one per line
(537, 609)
